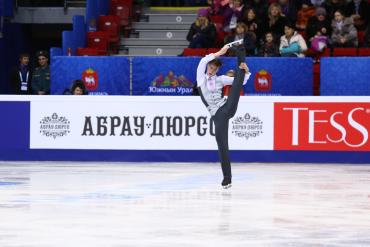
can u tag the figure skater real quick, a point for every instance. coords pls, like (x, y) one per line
(210, 88)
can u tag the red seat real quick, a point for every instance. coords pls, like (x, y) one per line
(87, 52)
(316, 79)
(195, 52)
(123, 9)
(111, 25)
(98, 40)
(365, 52)
(218, 20)
(227, 88)
(361, 37)
(212, 50)
(344, 52)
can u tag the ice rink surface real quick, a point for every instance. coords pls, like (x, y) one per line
(58, 204)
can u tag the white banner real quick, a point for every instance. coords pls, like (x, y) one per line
(144, 123)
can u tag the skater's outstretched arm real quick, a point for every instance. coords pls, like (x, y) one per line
(201, 70)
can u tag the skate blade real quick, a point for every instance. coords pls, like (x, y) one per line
(227, 186)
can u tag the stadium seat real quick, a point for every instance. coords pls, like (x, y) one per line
(212, 50)
(365, 52)
(361, 37)
(344, 52)
(111, 25)
(99, 41)
(123, 9)
(218, 20)
(195, 52)
(87, 52)
(227, 88)
(316, 79)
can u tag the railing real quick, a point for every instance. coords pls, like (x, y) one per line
(50, 3)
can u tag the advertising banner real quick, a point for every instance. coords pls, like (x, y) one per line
(177, 75)
(345, 76)
(101, 75)
(145, 123)
(330, 126)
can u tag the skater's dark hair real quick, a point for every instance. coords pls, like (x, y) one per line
(216, 62)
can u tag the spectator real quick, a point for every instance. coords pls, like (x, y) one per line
(269, 48)
(253, 24)
(367, 36)
(276, 21)
(289, 9)
(260, 7)
(78, 88)
(318, 30)
(318, 24)
(292, 44)
(359, 11)
(332, 6)
(21, 76)
(344, 32)
(217, 7)
(202, 33)
(304, 14)
(41, 76)
(249, 38)
(232, 14)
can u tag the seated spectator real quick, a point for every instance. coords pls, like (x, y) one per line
(260, 7)
(367, 36)
(41, 75)
(78, 88)
(318, 30)
(289, 9)
(269, 48)
(249, 38)
(276, 20)
(253, 24)
(292, 44)
(202, 33)
(304, 14)
(21, 76)
(344, 32)
(332, 6)
(232, 14)
(359, 11)
(217, 7)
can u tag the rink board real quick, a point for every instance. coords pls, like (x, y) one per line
(179, 129)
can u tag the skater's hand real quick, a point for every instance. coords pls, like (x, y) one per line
(244, 67)
(222, 51)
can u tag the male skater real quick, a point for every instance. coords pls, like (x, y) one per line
(222, 109)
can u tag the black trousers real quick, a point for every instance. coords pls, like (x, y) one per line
(227, 111)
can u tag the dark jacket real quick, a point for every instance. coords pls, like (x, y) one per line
(277, 28)
(364, 12)
(41, 80)
(16, 82)
(208, 33)
(249, 42)
(269, 50)
(314, 26)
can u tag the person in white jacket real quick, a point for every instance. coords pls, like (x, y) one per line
(292, 44)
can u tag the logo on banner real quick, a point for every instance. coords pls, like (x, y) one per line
(171, 84)
(247, 126)
(263, 81)
(54, 126)
(90, 78)
(322, 126)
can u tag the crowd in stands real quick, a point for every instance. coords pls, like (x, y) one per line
(293, 28)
